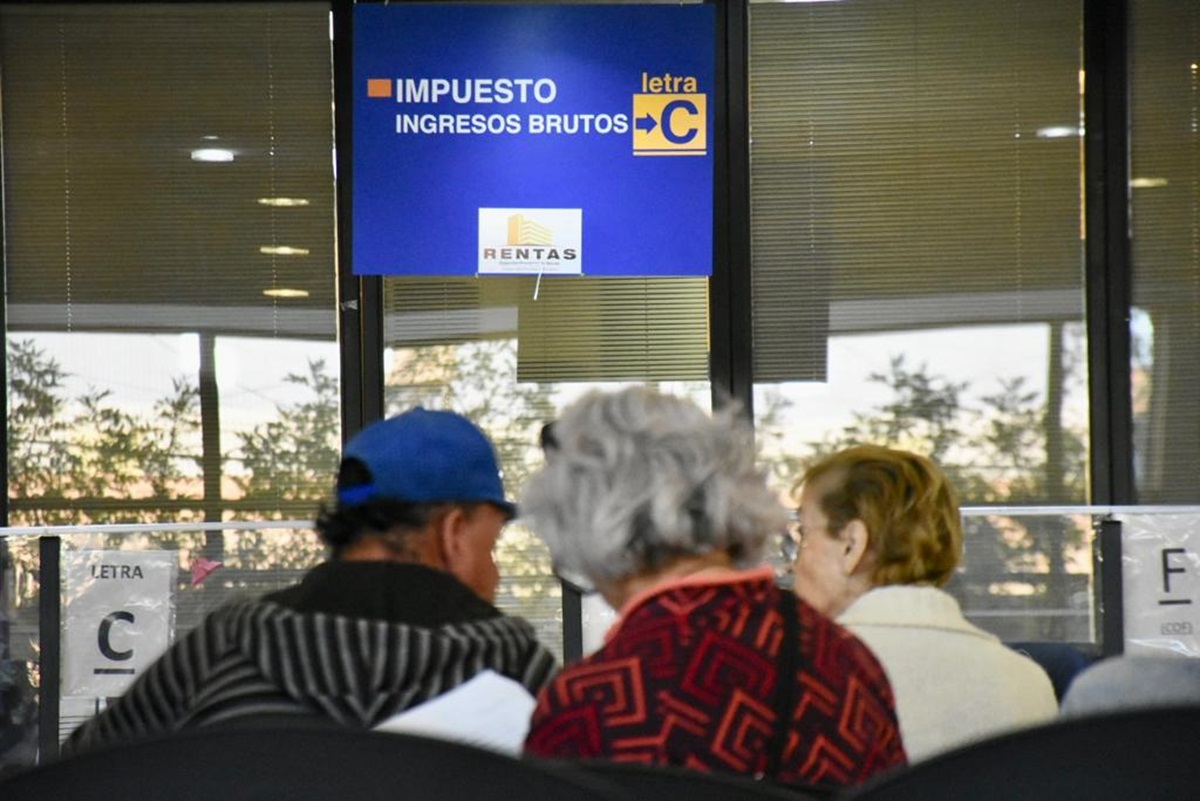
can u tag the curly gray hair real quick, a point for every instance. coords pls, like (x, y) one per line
(635, 479)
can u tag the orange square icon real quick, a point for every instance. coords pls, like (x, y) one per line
(379, 87)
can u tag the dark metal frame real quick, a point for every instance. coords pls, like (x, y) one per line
(1106, 571)
(1108, 271)
(1108, 285)
(49, 619)
(730, 301)
(360, 299)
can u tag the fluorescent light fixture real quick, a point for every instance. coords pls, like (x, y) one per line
(282, 250)
(1059, 132)
(1148, 183)
(283, 201)
(212, 154)
(284, 292)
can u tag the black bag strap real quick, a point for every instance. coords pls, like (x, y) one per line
(785, 685)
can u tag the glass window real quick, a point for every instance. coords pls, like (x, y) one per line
(916, 226)
(1164, 102)
(169, 237)
(510, 353)
(170, 320)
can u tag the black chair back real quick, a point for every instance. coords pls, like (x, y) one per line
(299, 763)
(1152, 753)
(659, 783)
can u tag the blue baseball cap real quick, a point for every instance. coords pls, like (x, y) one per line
(426, 456)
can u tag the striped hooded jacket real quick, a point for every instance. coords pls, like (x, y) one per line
(356, 642)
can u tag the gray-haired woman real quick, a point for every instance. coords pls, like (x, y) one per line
(662, 508)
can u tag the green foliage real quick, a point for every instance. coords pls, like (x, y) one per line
(478, 380)
(1013, 449)
(924, 414)
(65, 457)
(167, 452)
(997, 453)
(69, 458)
(295, 456)
(289, 464)
(37, 464)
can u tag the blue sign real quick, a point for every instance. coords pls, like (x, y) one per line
(533, 139)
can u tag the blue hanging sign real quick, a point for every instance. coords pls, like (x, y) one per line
(533, 139)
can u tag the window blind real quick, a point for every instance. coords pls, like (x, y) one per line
(912, 164)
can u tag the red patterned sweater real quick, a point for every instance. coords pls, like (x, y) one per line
(687, 676)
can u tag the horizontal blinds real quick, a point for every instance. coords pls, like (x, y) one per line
(1164, 96)
(115, 232)
(112, 224)
(567, 329)
(615, 330)
(909, 169)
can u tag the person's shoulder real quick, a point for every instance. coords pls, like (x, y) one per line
(824, 630)
(508, 627)
(605, 665)
(834, 649)
(234, 614)
(1133, 681)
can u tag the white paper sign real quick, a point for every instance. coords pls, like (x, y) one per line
(1160, 576)
(117, 619)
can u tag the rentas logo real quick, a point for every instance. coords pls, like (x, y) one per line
(531, 241)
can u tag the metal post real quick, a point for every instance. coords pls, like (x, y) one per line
(210, 437)
(572, 612)
(360, 299)
(1108, 268)
(1107, 560)
(730, 304)
(49, 635)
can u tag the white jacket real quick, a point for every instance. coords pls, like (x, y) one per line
(954, 683)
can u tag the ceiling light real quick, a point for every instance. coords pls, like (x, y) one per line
(1059, 132)
(212, 154)
(282, 250)
(1148, 183)
(284, 292)
(283, 201)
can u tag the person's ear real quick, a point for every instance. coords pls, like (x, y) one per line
(856, 541)
(450, 536)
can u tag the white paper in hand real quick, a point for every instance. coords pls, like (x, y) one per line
(489, 711)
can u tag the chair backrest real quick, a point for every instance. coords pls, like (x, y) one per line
(1152, 753)
(258, 764)
(666, 782)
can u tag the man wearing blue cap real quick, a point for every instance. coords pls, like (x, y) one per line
(396, 631)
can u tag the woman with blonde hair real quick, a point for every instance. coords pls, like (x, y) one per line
(878, 534)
